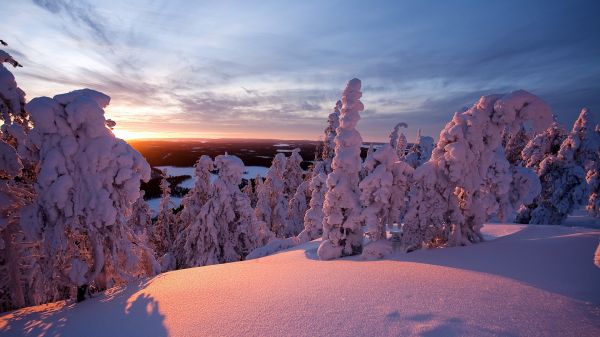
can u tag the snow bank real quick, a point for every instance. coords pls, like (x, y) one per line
(538, 281)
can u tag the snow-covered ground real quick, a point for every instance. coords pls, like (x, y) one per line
(528, 281)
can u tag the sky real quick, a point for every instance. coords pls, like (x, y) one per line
(274, 69)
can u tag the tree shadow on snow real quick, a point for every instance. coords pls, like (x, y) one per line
(126, 311)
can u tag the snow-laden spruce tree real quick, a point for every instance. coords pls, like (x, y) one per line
(271, 205)
(141, 216)
(342, 232)
(582, 144)
(449, 200)
(376, 192)
(313, 217)
(369, 164)
(562, 171)
(164, 230)
(86, 185)
(333, 122)
(420, 151)
(402, 175)
(297, 207)
(198, 195)
(293, 175)
(14, 117)
(401, 146)
(542, 145)
(593, 180)
(396, 136)
(225, 229)
(514, 145)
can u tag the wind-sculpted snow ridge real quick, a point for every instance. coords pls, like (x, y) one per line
(86, 184)
(465, 181)
(342, 230)
(542, 282)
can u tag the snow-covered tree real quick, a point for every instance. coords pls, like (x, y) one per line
(271, 205)
(86, 185)
(198, 195)
(450, 198)
(342, 231)
(313, 217)
(333, 122)
(401, 146)
(226, 228)
(582, 144)
(543, 145)
(376, 192)
(514, 144)
(164, 230)
(402, 175)
(593, 180)
(293, 175)
(297, 206)
(398, 140)
(420, 151)
(141, 216)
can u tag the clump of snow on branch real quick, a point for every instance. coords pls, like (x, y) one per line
(342, 232)
(420, 151)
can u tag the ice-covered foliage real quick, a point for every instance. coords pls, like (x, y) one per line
(342, 232)
(313, 217)
(395, 135)
(86, 185)
(198, 195)
(12, 102)
(544, 144)
(402, 174)
(562, 170)
(164, 231)
(401, 146)
(333, 122)
(376, 192)
(271, 205)
(10, 162)
(141, 216)
(460, 187)
(293, 175)
(297, 206)
(515, 143)
(225, 229)
(582, 144)
(420, 151)
(369, 164)
(593, 180)
(563, 188)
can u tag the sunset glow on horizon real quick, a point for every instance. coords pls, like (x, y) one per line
(275, 69)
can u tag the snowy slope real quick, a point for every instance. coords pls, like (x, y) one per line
(531, 281)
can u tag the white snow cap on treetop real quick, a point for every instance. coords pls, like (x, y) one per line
(231, 167)
(520, 106)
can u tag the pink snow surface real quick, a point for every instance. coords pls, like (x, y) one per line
(530, 281)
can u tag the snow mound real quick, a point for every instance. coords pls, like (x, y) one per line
(537, 281)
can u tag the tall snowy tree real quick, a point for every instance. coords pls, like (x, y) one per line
(582, 144)
(450, 198)
(376, 192)
(401, 146)
(293, 175)
(164, 230)
(198, 195)
(271, 206)
(333, 122)
(86, 184)
(297, 206)
(313, 217)
(342, 232)
(593, 180)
